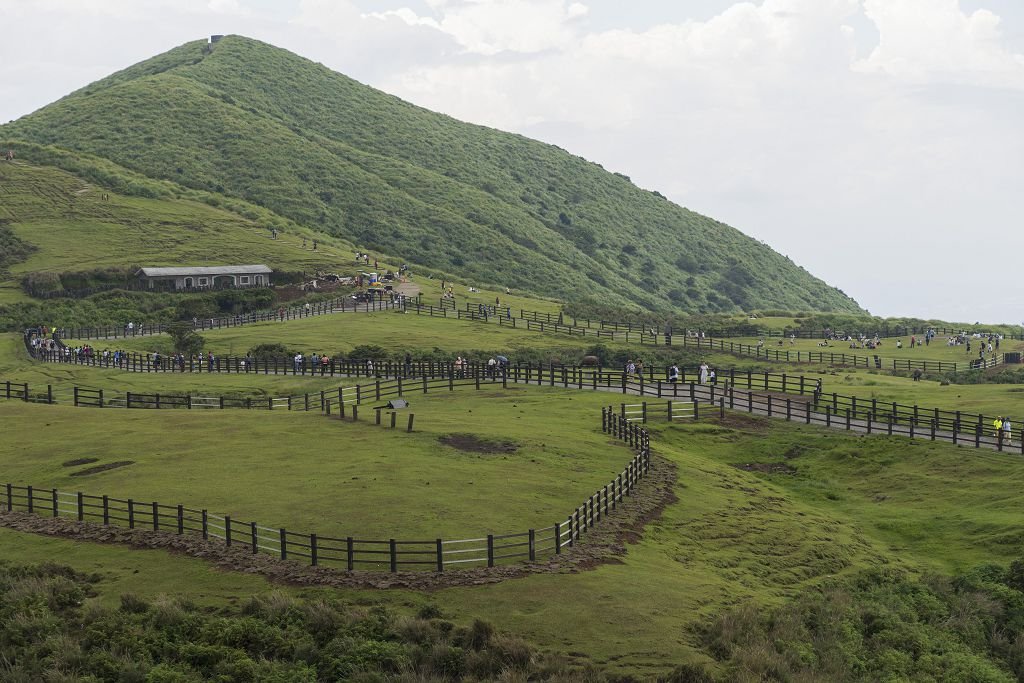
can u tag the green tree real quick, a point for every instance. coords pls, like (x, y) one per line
(185, 339)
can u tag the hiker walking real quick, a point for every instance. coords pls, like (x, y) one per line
(997, 426)
(314, 245)
(1007, 430)
(673, 373)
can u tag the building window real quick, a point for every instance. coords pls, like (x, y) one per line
(245, 279)
(259, 279)
(202, 282)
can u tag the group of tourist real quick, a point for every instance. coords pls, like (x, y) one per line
(1002, 429)
(634, 369)
(318, 362)
(365, 260)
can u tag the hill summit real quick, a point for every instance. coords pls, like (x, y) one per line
(250, 121)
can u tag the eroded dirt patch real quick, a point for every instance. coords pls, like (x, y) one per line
(741, 421)
(102, 468)
(79, 461)
(766, 467)
(472, 443)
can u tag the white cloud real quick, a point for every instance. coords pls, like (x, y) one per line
(488, 27)
(226, 7)
(936, 41)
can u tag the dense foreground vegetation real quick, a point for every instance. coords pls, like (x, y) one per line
(48, 631)
(879, 625)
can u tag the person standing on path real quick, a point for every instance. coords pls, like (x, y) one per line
(704, 370)
(1007, 430)
(997, 426)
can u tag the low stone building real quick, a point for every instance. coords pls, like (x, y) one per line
(205, 277)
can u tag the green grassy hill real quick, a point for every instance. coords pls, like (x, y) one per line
(247, 121)
(69, 226)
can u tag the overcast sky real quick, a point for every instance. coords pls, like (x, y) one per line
(878, 143)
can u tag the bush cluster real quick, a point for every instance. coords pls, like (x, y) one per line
(50, 632)
(882, 625)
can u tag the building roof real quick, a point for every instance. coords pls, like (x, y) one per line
(204, 270)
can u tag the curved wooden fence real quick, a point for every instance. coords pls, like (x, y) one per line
(351, 553)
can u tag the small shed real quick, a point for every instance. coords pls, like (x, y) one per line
(205, 277)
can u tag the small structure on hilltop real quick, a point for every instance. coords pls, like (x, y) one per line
(205, 277)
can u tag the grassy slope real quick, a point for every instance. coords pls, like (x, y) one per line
(341, 332)
(420, 186)
(75, 230)
(331, 473)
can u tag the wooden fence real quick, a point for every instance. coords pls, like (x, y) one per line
(341, 305)
(884, 331)
(528, 373)
(831, 409)
(351, 553)
(869, 416)
(845, 359)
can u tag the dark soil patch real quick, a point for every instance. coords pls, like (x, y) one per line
(475, 444)
(743, 421)
(78, 461)
(794, 452)
(102, 468)
(766, 467)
